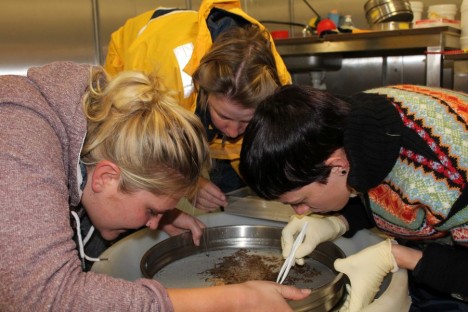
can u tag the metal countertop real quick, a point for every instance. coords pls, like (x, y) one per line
(416, 41)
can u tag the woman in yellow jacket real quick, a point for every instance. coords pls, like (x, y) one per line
(219, 61)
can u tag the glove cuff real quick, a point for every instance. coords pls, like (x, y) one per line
(395, 264)
(339, 225)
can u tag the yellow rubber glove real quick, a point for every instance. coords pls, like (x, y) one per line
(366, 271)
(320, 229)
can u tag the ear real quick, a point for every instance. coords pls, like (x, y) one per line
(105, 174)
(338, 161)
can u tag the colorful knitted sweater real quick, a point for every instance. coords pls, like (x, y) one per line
(408, 150)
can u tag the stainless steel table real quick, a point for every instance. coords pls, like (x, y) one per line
(430, 41)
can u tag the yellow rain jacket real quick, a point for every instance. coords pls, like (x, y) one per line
(172, 43)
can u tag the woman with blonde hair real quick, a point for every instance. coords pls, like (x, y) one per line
(114, 155)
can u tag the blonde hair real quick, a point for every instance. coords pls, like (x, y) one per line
(135, 122)
(240, 66)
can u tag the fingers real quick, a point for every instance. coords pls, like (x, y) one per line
(287, 241)
(197, 231)
(305, 249)
(208, 204)
(181, 222)
(200, 223)
(209, 196)
(195, 226)
(287, 235)
(293, 293)
(345, 306)
(271, 295)
(366, 271)
(172, 230)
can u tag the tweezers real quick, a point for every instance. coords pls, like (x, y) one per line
(289, 262)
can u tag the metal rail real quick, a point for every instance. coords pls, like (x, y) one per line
(394, 42)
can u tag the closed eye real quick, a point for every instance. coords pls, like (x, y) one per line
(152, 212)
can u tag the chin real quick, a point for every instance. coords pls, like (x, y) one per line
(340, 203)
(110, 235)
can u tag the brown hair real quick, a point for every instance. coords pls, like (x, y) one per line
(240, 66)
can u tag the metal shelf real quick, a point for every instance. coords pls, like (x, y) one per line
(393, 42)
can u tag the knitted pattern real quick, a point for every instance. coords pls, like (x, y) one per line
(419, 198)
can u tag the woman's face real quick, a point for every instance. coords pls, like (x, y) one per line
(228, 116)
(113, 212)
(319, 198)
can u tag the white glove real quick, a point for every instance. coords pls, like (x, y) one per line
(366, 271)
(320, 229)
(395, 297)
(345, 306)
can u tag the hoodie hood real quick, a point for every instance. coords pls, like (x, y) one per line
(62, 85)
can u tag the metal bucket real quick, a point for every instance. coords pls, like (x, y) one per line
(177, 262)
(392, 26)
(380, 11)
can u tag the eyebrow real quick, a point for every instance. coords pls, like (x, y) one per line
(218, 113)
(223, 116)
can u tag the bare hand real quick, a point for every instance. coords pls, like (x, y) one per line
(175, 222)
(209, 196)
(255, 296)
(270, 296)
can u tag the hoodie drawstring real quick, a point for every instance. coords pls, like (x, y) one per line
(81, 242)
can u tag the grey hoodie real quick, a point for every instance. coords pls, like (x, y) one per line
(42, 128)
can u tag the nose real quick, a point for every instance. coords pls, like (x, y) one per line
(234, 128)
(300, 209)
(153, 222)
